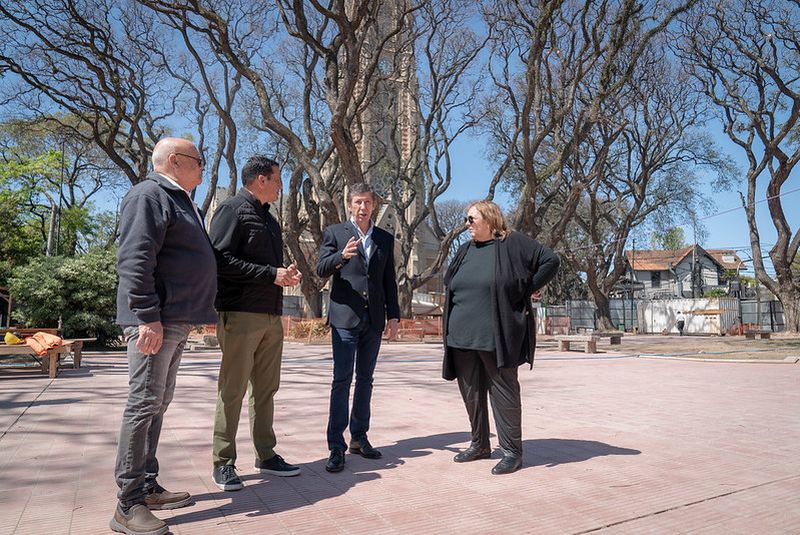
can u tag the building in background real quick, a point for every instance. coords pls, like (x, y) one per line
(687, 272)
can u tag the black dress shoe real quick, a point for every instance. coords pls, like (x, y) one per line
(335, 461)
(364, 448)
(507, 465)
(473, 453)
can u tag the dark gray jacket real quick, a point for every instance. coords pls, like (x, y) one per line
(522, 266)
(166, 265)
(249, 249)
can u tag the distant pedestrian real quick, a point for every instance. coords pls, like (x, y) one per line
(680, 321)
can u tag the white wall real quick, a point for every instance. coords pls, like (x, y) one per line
(709, 315)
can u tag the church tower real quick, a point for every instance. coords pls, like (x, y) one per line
(388, 133)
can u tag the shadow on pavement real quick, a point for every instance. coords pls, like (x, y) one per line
(551, 452)
(265, 494)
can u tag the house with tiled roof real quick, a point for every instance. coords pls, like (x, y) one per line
(668, 273)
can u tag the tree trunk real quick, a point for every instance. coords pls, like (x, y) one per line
(790, 299)
(405, 295)
(311, 291)
(603, 313)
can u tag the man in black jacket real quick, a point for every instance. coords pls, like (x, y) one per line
(167, 282)
(250, 303)
(360, 257)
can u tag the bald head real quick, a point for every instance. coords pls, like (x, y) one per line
(178, 159)
(167, 146)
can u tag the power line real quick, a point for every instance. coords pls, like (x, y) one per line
(757, 202)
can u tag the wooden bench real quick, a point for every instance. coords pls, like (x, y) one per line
(752, 335)
(589, 341)
(417, 335)
(48, 361)
(77, 349)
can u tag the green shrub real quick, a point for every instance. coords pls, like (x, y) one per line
(716, 292)
(81, 290)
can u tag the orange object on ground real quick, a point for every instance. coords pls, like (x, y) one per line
(40, 342)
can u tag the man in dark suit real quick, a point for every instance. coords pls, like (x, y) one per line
(360, 257)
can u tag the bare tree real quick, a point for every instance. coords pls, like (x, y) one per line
(554, 64)
(334, 70)
(641, 163)
(211, 90)
(118, 70)
(450, 216)
(436, 72)
(745, 55)
(317, 89)
(83, 59)
(62, 175)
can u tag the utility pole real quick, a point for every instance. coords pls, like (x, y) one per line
(694, 259)
(52, 245)
(633, 282)
(60, 199)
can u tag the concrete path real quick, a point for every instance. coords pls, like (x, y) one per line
(613, 444)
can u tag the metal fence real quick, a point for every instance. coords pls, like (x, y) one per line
(577, 316)
(766, 314)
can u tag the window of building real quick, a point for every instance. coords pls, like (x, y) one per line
(655, 279)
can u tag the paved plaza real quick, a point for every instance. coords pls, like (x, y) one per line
(613, 443)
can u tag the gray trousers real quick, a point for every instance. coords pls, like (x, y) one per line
(477, 375)
(151, 384)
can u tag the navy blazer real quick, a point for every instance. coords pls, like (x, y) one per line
(356, 287)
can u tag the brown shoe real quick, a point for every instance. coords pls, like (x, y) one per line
(138, 521)
(160, 498)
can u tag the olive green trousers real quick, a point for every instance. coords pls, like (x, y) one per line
(252, 346)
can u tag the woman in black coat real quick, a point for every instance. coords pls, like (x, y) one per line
(492, 277)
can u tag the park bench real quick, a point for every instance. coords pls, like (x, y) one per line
(49, 362)
(589, 341)
(752, 335)
(410, 334)
(615, 337)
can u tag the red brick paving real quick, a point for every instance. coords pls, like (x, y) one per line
(612, 444)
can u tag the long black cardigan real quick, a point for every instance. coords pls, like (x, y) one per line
(522, 265)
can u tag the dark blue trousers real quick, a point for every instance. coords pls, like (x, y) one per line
(352, 349)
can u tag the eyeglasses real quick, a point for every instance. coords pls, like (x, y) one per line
(200, 161)
(469, 220)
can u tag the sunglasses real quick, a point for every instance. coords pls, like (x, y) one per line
(200, 161)
(469, 220)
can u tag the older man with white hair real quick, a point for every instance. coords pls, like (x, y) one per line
(167, 284)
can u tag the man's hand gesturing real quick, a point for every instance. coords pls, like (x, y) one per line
(351, 249)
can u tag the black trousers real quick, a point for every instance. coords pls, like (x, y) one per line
(477, 375)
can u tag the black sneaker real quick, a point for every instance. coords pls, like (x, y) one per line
(226, 479)
(277, 467)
